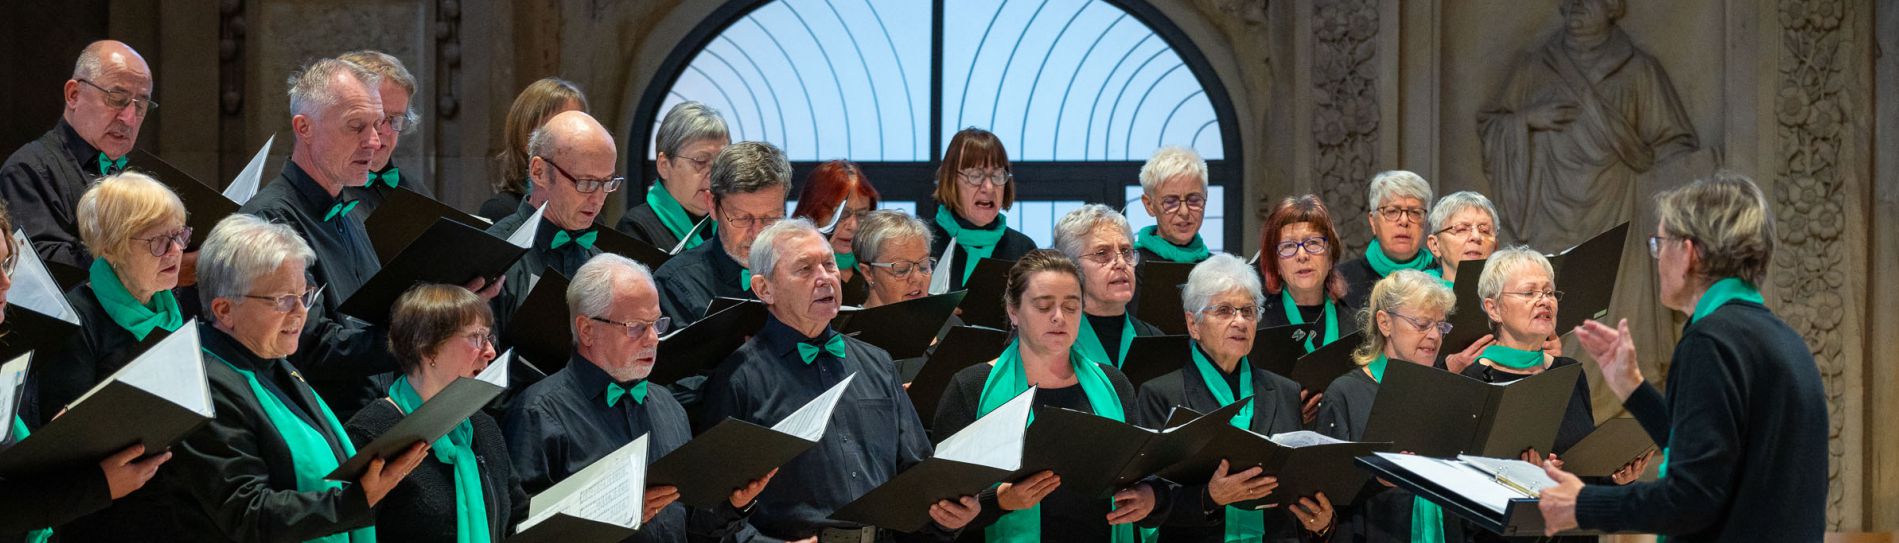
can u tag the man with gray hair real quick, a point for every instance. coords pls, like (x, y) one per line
(570, 164)
(399, 117)
(796, 357)
(749, 182)
(106, 102)
(601, 401)
(1399, 202)
(689, 138)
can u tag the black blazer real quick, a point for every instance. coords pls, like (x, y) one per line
(422, 507)
(1014, 244)
(1191, 515)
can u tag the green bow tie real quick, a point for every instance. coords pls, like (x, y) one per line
(615, 391)
(339, 210)
(584, 240)
(745, 278)
(108, 166)
(388, 177)
(835, 346)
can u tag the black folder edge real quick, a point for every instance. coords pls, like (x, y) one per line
(1520, 517)
(1158, 301)
(689, 351)
(726, 457)
(1278, 348)
(433, 419)
(613, 241)
(1593, 258)
(885, 506)
(51, 447)
(982, 306)
(1602, 438)
(17, 393)
(373, 300)
(903, 329)
(204, 204)
(1338, 478)
(1316, 370)
(1160, 449)
(539, 332)
(1483, 432)
(403, 216)
(561, 527)
(1150, 357)
(968, 341)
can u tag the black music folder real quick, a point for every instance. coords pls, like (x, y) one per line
(12, 392)
(448, 252)
(1117, 454)
(1153, 356)
(1496, 494)
(1305, 462)
(1279, 346)
(982, 306)
(1316, 370)
(540, 331)
(1159, 300)
(734, 453)
(1467, 318)
(156, 400)
(983, 454)
(37, 313)
(433, 419)
(1587, 276)
(404, 216)
(702, 346)
(600, 504)
(613, 241)
(963, 347)
(903, 329)
(1613, 444)
(1433, 412)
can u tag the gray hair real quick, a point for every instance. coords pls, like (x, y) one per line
(750, 166)
(1728, 218)
(391, 70)
(242, 248)
(1398, 184)
(688, 122)
(1071, 231)
(884, 226)
(591, 292)
(1458, 202)
(1507, 263)
(1170, 162)
(1215, 276)
(312, 87)
(765, 249)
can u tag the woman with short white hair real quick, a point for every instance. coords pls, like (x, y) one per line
(1464, 227)
(1174, 191)
(1098, 239)
(1398, 201)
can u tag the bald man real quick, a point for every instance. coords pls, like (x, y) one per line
(107, 99)
(571, 161)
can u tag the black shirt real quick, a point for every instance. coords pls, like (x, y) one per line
(1192, 514)
(1745, 423)
(642, 223)
(423, 506)
(563, 424)
(41, 183)
(873, 434)
(1273, 313)
(370, 197)
(338, 354)
(1108, 330)
(61, 374)
(539, 258)
(1359, 279)
(500, 205)
(688, 282)
(1013, 245)
(1382, 514)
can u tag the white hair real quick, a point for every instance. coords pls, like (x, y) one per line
(1507, 263)
(1218, 275)
(1170, 162)
(689, 122)
(1457, 202)
(591, 292)
(1398, 184)
(884, 226)
(764, 257)
(1071, 232)
(391, 70)
(242, 248)
(313, 87)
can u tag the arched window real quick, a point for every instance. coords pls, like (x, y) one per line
(1080, 91)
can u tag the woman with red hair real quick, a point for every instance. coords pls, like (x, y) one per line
(1298, 247)
(833, 182)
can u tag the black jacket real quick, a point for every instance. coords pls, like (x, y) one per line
(41, 183)
(422, 507)
(1014, 244)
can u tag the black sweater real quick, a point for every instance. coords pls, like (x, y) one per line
(1745, 423)
(422, 506)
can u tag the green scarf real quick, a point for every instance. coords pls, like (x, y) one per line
(456, 450)
(1241, 524)
(1294, 317)
(1007, 380)
(311, 456)
(1089, 344)
(673, 215)
(846, 261)
(1427, 519)
(1384, 265)
(134, 317)
(1191, 253)
(20, 432)
(1439, 274)
(978, 243)
(1513, 358)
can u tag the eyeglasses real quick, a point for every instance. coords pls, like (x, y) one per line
(397, 122)
(588, 186)
(1465, 229)
(902, 268)
(478, 340)
(1193, 202)
(1655, 244)
(637, 329)
(747, 221)
(1225, 312)
(1313, 245)
(1395, 213)
(699, 165)
(12, 261)
(1537, 297)
(288, 302)
(976, 178)
(1107, 257)
(1443, 328)
(161, 244)
(118, 99)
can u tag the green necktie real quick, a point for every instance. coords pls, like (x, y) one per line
(584, 240)
(615, 391)
(835, 346)
(108, 166)
(388, 177)
(341, 209)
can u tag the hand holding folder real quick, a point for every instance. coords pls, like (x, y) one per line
(1499, 495)
(1438, 413)
(707, 469)
(602, 503)
(433, 419)
(155, 400)
(982, 454)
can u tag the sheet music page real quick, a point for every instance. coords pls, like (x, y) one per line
(1457, 478)
(172, 370)
(940, 277)
(1303, 438)
(34, 287)
(995, 440)
(808, 422)
(12, 378)
(245, 185)
(610, 490)
(523, 236)
(497, 371)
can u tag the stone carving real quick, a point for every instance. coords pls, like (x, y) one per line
(1809, 202)
(231, 30)
(1345, 123)
(448, 51)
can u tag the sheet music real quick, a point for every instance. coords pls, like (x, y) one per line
(34, 287)
(12, 379)
(610, 490)
(1529, 477)
(1458, 478)
(523, 235)
(1303, 438)
(497, 371)
(681, 246)
(172, 370)
(940, 278)
(995, 440)
(245, 185)
(808, 422)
